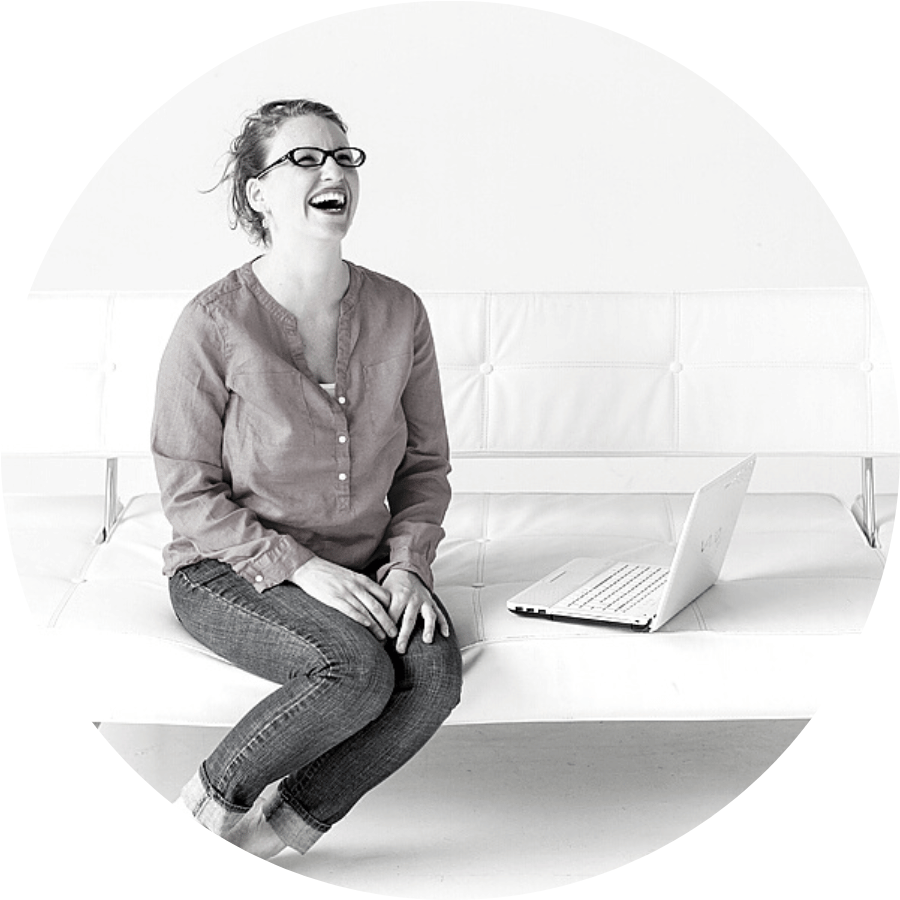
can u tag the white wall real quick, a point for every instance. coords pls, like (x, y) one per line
(510, 149)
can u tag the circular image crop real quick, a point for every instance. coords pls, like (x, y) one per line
(337, 398)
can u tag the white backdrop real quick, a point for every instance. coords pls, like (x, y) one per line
(509, 149)
(820, 77)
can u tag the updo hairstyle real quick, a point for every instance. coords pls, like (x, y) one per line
(248, 151)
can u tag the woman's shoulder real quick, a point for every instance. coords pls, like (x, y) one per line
(383, 287)
(226, 292)
(212, 312)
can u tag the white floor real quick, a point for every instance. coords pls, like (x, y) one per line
(490, 811)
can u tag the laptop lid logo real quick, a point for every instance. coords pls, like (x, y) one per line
(712, 541)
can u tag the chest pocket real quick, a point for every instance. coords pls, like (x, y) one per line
(385, 383)
(271, 406)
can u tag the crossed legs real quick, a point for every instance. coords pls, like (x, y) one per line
(350, 710)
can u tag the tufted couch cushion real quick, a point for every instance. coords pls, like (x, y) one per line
(797, 585)
(717, 372)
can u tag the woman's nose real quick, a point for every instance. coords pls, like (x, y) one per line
(331, 170)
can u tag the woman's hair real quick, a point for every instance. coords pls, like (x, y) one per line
(247, 155)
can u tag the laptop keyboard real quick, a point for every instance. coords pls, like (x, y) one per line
(621, 589)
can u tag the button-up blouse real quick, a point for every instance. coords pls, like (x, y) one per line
(262, 468)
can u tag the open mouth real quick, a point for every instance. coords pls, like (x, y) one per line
(329, 201)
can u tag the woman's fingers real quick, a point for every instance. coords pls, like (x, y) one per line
(389, 610)
(363, 609)
(433, 619)
(412, 599)
(356, 596)
(442, 621)
(359, 614)
(382, 595)
(407, 624)
(375, 607)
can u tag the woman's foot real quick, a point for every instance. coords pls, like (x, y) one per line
(254, 834)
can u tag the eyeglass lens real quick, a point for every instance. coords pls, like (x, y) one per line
(311, 157)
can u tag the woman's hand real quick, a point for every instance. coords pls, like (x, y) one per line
(356, 596)
(409, 599)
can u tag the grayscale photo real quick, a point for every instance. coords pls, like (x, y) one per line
(452, 452)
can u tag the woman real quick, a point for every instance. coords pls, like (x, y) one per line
(302, 455)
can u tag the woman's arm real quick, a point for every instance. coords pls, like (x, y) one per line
(418, 497)
(191, 400)
(420, 492)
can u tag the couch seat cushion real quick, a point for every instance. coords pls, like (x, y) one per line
(52, 540)
(797, 586)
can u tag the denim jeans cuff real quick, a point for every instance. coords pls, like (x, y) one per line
(298, 831)
(208, 810)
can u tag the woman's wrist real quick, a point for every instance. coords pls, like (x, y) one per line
(412, 568)
(406, 575)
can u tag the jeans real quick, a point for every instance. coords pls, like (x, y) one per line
(349, 713)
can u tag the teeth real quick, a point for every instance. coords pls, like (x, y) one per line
(330, 200)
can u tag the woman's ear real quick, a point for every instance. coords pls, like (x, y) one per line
(256, 195)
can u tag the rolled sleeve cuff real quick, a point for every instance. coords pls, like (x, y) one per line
(275, 565)
(409, 561)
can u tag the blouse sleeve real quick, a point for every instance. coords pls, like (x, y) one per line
(420, 493)
(186, 443)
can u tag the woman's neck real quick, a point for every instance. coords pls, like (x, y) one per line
(304, 282)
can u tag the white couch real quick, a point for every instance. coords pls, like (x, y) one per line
(579, 425)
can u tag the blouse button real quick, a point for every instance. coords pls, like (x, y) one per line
(342, 439)
(342, 476)
(258, 579)
(342, 400)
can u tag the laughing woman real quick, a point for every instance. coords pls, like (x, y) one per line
(301, 451)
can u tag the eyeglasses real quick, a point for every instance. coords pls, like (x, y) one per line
(314, 157)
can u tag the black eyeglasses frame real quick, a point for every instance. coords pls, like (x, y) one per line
(290, 157)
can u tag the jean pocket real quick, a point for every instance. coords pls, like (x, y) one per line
(204, 572)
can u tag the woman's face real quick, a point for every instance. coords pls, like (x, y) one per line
(305, 203)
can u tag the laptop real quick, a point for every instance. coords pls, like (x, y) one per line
(643, 596)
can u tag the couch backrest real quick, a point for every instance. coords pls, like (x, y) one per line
(766, 371)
